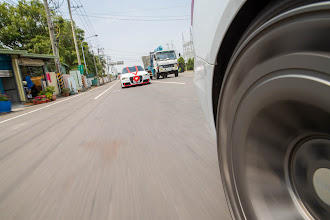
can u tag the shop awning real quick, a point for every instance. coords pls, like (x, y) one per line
(25, 54)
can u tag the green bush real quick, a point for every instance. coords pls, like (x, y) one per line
(49, 95)
(181, 65)
(4, 97)
(64, 90)
(190, 64)
(50, 89)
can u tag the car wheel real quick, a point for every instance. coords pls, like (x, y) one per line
(150, 77)
(273, 119)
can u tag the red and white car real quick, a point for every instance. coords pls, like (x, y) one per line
(134, 75)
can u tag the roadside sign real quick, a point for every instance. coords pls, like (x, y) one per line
(6, 73)
(81, 69)
(116, 63)
(90, 75)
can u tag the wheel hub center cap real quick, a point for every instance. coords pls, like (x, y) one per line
(321, 181)
(310, 175)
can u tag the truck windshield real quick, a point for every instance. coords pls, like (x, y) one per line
(170, 55)
(132, 69)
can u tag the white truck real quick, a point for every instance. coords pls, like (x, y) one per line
(163, 63)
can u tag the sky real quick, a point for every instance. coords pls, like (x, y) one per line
(124, 28)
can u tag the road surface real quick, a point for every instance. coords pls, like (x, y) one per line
(143, 152)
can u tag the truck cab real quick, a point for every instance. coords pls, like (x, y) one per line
(164, 63)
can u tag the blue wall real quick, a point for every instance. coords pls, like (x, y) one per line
(5, 64)
(1, 86)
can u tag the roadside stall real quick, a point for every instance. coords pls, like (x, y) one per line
(23, 74)
(7, 78)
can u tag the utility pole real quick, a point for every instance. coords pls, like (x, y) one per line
(108, 66)
(82, 48)
(52, 37)
(74, 34)
(97, 75)
(98, 55)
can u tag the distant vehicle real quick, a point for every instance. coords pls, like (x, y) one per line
(147, 65)
(134, 75)
(161, 63)
(262, 72)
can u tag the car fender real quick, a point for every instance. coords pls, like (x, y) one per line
(209, 33)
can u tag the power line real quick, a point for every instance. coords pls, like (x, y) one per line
(150, 9)
(129, 57)
(124, 51)
(130, 19)
(86, 24)
(143, 16)
(83, 8)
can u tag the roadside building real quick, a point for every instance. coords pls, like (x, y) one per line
(18, 65)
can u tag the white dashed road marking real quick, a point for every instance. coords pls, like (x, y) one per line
(170, 82)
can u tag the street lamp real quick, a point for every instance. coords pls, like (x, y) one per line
(82, 48)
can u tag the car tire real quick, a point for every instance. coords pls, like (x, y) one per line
(273, 117)
(150, 77)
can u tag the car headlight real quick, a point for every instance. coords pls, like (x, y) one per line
(124, 78)
(146, 74)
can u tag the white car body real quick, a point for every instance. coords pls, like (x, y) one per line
(208, 35)
(254, 59)
(126, 79)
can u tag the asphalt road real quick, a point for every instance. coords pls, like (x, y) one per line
(142, 152)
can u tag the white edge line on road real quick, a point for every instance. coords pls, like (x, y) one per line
(170, 82)
(18, 116)
(106, 90)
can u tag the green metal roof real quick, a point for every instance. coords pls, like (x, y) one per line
(12, 52)
(40, 56)
(24, 53)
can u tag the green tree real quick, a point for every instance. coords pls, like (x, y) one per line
(190, 64)
(65, 41)
(24, 27)
(182, 65)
